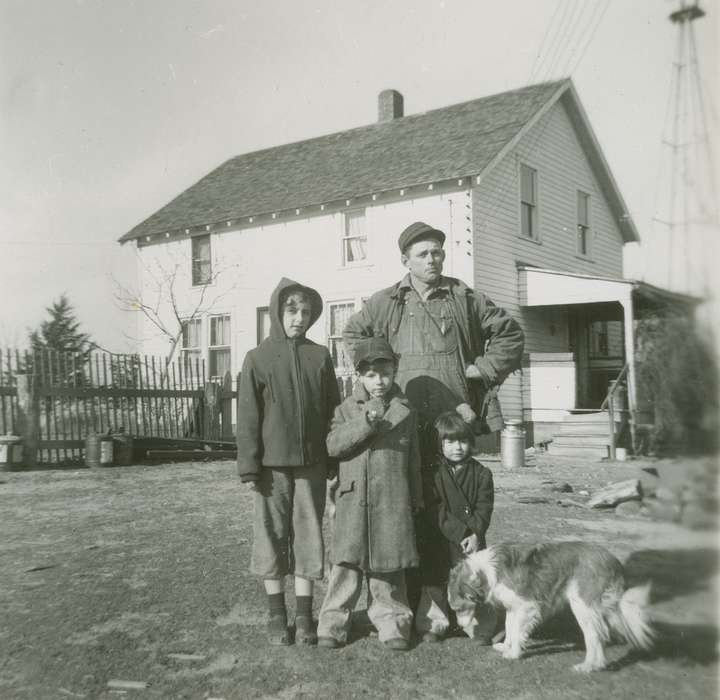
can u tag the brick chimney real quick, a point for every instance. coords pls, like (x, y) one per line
(390, 105)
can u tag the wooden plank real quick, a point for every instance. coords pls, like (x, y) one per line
(142, 399)
(98, 404)
(161, 443)
(70, 404)
(60, 391)
(51, 377)
(190, 455)
(158, 403)
(175, 421)
(111, 425)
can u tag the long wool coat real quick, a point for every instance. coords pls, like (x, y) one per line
(379, 484)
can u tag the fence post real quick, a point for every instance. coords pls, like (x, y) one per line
(226, 408)
(27, 422)
(211, 424)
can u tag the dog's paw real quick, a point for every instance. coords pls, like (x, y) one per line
(511, 654)
(499, 646)
(586, 667)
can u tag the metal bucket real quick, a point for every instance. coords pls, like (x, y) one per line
(512, 445)
(98, 451)
(123, 449)
(10, 451)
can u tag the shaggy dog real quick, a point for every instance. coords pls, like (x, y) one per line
(534, 582)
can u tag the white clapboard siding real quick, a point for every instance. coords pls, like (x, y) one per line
(553, 149)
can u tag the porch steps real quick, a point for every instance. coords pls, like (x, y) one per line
(584, 435)
(562, 449)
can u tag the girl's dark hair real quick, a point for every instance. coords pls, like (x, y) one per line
(450, 426)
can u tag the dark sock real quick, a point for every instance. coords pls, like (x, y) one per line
(276, 605)
(304, 605)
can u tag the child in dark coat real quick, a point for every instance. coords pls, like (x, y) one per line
(458, 516)
(287, 396)
(374, 434)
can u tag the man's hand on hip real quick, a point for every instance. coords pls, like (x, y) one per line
(465, 412)
(472, 372)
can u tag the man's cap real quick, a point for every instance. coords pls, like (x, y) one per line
(371, 349)
(419, 231)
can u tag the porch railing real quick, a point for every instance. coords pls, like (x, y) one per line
(609, 401)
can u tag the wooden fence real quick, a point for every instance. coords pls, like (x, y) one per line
(55, 400)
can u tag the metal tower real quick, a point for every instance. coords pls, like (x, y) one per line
(686, 213)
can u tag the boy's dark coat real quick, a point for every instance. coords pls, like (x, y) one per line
(379, 484)
(287, 395)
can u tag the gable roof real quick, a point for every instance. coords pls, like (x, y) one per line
(450, 142)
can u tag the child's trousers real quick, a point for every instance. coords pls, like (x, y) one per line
(287, 528)
(432, 615)
(389, 611)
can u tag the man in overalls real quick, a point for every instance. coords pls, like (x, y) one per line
(455, 346)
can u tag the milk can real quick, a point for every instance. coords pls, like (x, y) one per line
(512, 444)
(10, 451)
(98, 450)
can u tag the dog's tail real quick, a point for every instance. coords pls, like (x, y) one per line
(631, 620)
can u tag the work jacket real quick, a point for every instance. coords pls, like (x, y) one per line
(489, 338)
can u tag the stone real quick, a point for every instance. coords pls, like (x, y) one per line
(570, 503)
(562, 488)
(628, 509)
(613, 494)
(532, 499)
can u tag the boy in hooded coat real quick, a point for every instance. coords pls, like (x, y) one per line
(287, 396)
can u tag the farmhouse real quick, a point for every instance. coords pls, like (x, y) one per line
(517, 181)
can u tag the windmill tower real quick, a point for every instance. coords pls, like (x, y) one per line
(685, 225)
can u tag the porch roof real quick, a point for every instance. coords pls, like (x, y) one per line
(542, 287)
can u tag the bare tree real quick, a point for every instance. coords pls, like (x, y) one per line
(158, 299)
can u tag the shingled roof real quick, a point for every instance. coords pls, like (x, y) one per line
(445, 143)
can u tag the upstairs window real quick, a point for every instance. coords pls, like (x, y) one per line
(201, 265)
(338, 314)
(583, 223)
(528, 202)
(219, 347)
(354, 244)
(191, 349)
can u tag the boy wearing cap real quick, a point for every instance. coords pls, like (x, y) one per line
(455, 346)
(287, 396)
(374, 435)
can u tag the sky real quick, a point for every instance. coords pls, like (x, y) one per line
(110, 108)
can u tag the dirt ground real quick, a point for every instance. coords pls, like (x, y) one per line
(133, 582)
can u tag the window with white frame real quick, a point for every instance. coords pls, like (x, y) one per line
(338, 314)
(201, 261)
(354, 243)
(191, 349)
(528, 202)
(262, 314)
(583, 223)
(219, 346)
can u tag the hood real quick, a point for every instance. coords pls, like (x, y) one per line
(284, 285)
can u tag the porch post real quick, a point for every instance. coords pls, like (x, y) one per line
(629, 325)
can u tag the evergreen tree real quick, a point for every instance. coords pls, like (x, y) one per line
(61, 332)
